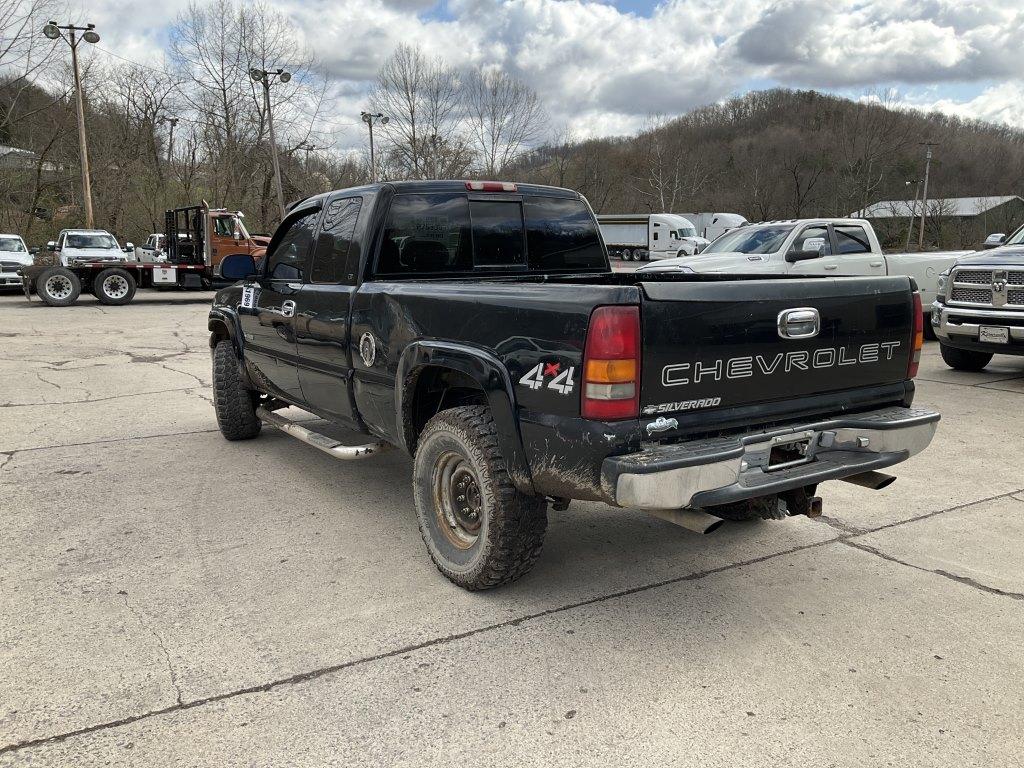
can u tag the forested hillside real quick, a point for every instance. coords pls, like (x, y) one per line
(782, 154)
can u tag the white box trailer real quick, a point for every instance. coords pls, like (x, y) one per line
(711, 225)
(639, 237)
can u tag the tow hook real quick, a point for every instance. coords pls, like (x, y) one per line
(661, 424)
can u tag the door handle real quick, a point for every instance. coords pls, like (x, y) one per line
(831, 266)
(294, 286)
(876, 263)
(288, 308)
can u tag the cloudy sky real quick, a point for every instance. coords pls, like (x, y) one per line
(601, 67)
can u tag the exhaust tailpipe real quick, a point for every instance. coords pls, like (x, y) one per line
(691, 519)
(876, 481)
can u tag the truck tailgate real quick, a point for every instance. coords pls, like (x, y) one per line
(712, 344)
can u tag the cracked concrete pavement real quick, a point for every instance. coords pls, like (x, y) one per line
(169, 598)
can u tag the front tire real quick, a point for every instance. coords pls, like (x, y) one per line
(480, 530)
(234, 404)
(114, 286)
(58, 287)
(964, 359)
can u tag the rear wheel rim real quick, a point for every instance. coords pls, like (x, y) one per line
(458, 503)
(58, 287)
(115, 287)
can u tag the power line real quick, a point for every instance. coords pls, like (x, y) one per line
(135, 63)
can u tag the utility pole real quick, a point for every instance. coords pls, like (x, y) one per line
(913, 212)
(263, 76)
(53, 32)
(924, 196)
(370, 118)
(307, 148)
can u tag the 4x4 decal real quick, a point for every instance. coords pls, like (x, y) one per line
(562, 381)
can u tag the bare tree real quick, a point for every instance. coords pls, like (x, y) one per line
(24, 52)
(505, 117)
(421, 97)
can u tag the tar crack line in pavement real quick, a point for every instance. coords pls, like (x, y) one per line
(965, 580)
(314, 674)
(160, 643)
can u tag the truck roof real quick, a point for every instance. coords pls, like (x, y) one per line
(819, 220)
(447, 185)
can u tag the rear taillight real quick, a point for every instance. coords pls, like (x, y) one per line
(611, 365)
(918, 339)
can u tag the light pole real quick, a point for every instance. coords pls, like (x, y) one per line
(53, 31)
(370, 118)
(171, 121)
(924, 192)
(264, 77)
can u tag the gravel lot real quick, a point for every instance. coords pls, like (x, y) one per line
(169, 598)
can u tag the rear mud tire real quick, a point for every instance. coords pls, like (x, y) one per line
(58, 287)
(114, 286)
(234, 404)
(964, 359)
(480, 530)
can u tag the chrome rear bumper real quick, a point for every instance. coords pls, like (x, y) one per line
(704, 473)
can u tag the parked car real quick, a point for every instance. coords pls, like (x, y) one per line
(479, 327)
(88, 245)
(979, 309)
(642, 236)
(826, 246)
(13, 256)
(152, 250)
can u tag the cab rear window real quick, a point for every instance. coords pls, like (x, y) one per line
(561, 234)
(451, 234)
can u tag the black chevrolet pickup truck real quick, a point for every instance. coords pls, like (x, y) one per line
(478, 327)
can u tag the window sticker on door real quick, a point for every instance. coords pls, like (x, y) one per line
(248, 297)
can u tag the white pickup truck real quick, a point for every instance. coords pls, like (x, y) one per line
(812, 247)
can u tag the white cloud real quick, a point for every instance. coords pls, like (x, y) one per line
(601, 70)
(1002, 103)
(824, 43)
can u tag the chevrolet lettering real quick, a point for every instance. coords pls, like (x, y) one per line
(781, 363)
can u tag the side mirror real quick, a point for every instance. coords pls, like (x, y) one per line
(33, 250)
(51, 246)
(805, 255)
(237, 266)
(994, 240)
(129, 246)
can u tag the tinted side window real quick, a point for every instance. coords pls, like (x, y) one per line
(426, 233)
(852, 239)
(333, 244)
(813, 239)
(497, 233)
(290, 256)
(561, 233)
